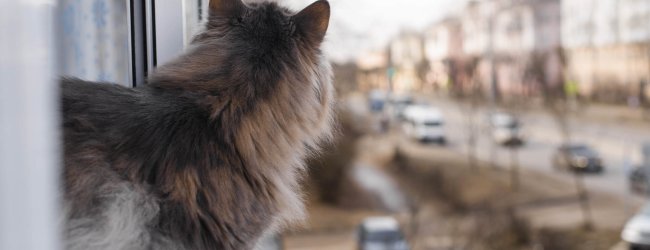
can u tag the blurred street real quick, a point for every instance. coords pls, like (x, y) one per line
(618, 143)
(546, 197)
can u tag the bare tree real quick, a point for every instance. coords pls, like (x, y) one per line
(561, 110)
(515, 108)
(470, 94)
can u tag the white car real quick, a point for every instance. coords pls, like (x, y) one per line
(399, 103)
(637, 230)
(424, 123)
(381, 233)
(505, 129)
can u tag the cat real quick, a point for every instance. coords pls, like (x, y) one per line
(208, 154)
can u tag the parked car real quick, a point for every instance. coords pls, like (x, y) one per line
(424, 123)
(636, 231)
(645, 152)
(577, 157)
(505, 129)
(638, 178)
(377, 100)
(399, 104)
(381, 233)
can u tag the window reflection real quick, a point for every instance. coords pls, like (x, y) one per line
(94, 42)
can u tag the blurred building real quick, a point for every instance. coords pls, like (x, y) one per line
(476, 24)
(443, 47)
(512, 43)
(476, 29)
(607, 47)
(372, 69)
(526, 44)
(407, 59)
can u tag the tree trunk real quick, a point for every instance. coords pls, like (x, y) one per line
(514, 169)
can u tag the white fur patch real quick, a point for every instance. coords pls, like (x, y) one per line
(121, 223)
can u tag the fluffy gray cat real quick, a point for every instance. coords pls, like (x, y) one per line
(208, 154)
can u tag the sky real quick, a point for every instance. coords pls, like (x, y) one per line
(358, 26)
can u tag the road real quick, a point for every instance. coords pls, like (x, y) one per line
(378, 183)
(618, 144)
(614, 141)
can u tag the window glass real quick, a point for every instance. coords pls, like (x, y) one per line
(196, 12)
(95, 41)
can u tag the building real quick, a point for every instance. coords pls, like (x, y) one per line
(407, 60)
(607, 47)
(505, 37)
(443, 46)
(526, 44)
(372, 70)
(475, 69)
(476, 27)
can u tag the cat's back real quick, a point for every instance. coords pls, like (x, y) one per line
(91, 100)
(103, 208)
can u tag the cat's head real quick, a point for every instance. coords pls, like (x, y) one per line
(267, 26)
(260, 44)
(259, 39)
(257, 55)
(259, 59)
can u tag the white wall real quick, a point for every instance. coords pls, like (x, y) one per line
(576, 22)
(635, 20)
(29, 158)
(604, 22)
(436, 42)
(476, 27)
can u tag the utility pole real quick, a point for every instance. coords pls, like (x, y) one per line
(493, 96)
(494, 92)
(645, 85)
(592, 42)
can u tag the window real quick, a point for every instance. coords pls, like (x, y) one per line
(99, 36)
(94, 41)
(99, 40)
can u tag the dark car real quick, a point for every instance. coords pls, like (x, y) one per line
(381, 233)
(639, 180)
(639, 176)
(377, 100)
(577, 157)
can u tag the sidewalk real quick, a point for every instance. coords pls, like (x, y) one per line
(616, 114)
(545, 200)
(593, 112)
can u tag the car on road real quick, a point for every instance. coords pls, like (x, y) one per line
(636, 231)
(638, 178)
(424, 123)
(381, 233)
(399, 103)
(377, 100)
(577, 157)
(505, 129)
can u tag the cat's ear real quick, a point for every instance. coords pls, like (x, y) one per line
(226, 8)
(314, 20)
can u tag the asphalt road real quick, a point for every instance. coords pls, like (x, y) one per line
(618, 144)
